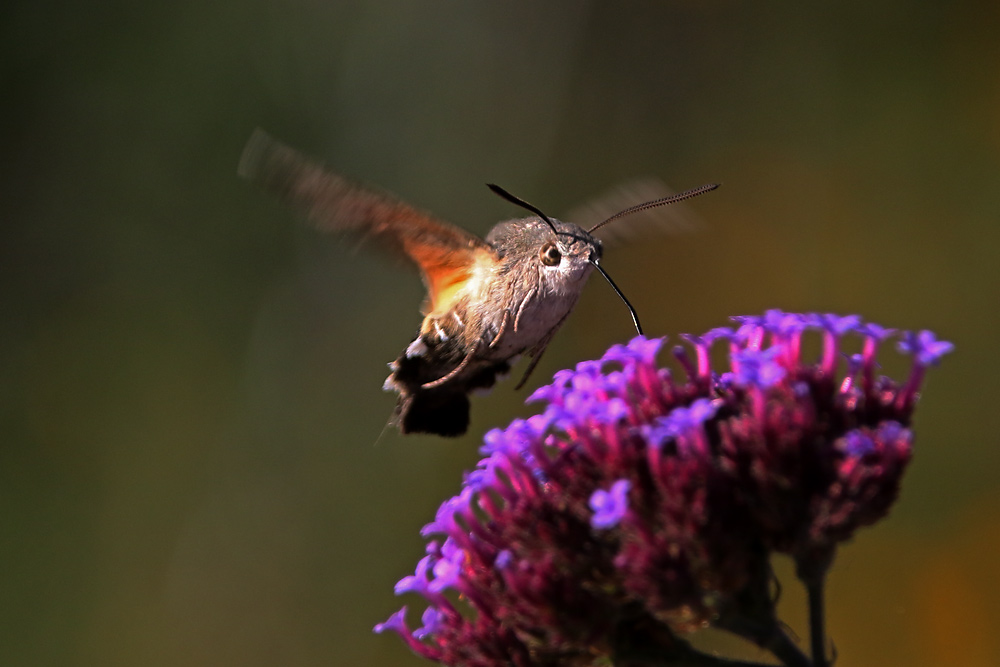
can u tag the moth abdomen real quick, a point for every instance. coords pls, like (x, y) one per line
(443, 409)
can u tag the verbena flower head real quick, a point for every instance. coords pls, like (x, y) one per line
(637, 499)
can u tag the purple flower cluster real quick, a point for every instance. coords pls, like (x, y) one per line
(638, 506)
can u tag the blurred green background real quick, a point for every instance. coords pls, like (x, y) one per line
(192, 465)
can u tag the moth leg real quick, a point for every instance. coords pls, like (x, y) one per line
(536, 352)
(453, 372)
(531, 366)
(503, 328)
(520, 308)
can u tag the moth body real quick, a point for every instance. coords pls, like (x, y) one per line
(489, 301)
(508, 307)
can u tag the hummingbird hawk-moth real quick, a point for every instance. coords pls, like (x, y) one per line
(488, 300)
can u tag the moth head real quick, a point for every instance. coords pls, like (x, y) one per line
(565, 256)
(566, 252)
(530, 245)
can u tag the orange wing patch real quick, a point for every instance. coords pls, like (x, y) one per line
(444, 288)
(446, 271)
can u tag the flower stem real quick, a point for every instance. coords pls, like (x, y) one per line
(817, 619)
(753, 616)
(678, 654)
(770, 637)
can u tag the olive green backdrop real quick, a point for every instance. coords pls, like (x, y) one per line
(193, 468)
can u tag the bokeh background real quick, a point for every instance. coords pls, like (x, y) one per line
(193, 468)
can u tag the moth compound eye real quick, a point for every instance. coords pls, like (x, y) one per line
(550, 254)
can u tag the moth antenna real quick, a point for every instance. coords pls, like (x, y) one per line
(672, 199)
(523, 204)
(631, 310)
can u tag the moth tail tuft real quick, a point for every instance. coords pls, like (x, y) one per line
(444, 413)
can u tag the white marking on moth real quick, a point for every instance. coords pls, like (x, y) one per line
(417, 348)
(439, 331)
(457, 318)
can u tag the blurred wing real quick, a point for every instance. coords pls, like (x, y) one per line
(674, 219)
(443, 253)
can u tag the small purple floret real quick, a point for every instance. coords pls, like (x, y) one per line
(639, 349)
(609, 506)
(395, 623)
(858, 443)
(416, 583)
(925, 347)
(878, 332)
(836, 324)
(759, 368)
(782, 323)
(448, 570)
(432, 619)
(503, 560)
